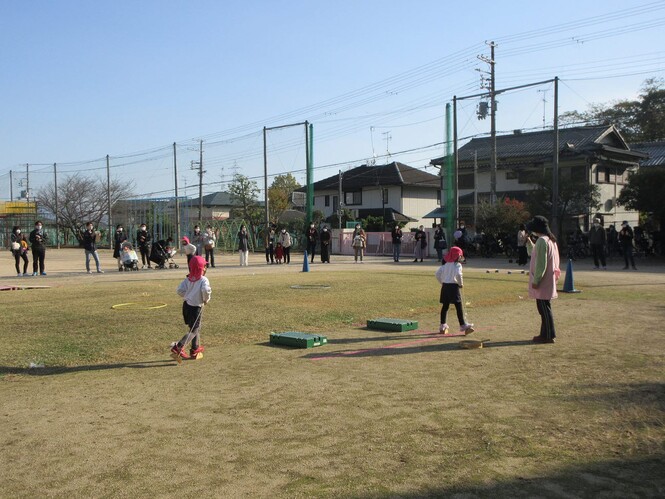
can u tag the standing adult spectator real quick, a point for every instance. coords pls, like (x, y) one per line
(439, 242)
(198, 240)
(210, 240)
(143, 242)
(613, 240)
(359, 242)
(90, 237)
(543, 275)
(38, 238)
(522, 254)
(325, 239)
(598, 242)
(19, 248)
(626, 241)
(285, 241)
(118, 238)
(312, 237)
(396, 235)
(243, 246)
(421, 244)
(460, 236)
(270, 246)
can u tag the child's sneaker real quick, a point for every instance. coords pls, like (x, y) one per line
(179, 352)
(193, 352)
(443, 329)
(466, 329)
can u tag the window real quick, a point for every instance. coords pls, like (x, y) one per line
(335, 204)
(465, 181)
(353, 198)
(327, 200)
(438, 197)
(530, 176)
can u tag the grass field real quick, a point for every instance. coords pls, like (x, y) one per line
(371, 414)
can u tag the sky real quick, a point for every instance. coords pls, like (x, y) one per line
(82, 80)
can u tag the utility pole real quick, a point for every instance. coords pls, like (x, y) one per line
(266, 197)
(200, 180)
(339, 202)
(492, 96)
(57, 220)
(200, 174)
(177, 200)
(555, 162)
(27, 183)
(11, 187)
(108, 199)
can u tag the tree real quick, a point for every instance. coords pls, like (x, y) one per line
(503, 217)
(645, 192)
(576, 197)
(245, 196)
(81, 200)
(279, 194)
(641, 120)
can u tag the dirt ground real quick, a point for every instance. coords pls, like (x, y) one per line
(64, 264)
(372, 415)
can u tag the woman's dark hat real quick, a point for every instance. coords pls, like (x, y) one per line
(539, 224)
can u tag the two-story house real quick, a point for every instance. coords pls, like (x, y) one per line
(597, 154)
(396, 192)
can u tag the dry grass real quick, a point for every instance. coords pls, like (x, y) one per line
(372, 414)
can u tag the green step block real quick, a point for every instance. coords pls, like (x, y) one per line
(296, 339)
(385, 324)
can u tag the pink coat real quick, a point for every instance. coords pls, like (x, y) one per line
(547, 287)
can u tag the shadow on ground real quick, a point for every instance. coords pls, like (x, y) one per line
(49, 371)
(413, 347)
(638, 478)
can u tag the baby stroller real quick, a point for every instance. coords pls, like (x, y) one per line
(128, 258)
(162, 255)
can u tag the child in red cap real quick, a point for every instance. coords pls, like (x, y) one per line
(196, 291)
(450, 277)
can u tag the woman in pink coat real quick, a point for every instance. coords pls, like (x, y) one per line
(544, 273)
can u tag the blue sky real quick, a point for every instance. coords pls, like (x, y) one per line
(83, 79)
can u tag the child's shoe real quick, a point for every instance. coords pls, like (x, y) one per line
(466, 329)
(178, 351)
(193, 352)
(443, 329)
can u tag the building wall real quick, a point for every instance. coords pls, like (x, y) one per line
(417, 202)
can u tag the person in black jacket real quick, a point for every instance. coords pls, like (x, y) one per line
(626, 240)
(439, 242)
(312, 237)
(325, 238)
(38, 238)
(19, 250)
(143, 242)
(421, 244)
(90, 237)
(119, 237)
(396, 235)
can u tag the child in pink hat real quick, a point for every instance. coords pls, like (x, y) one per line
(195, 290)
(450, 277)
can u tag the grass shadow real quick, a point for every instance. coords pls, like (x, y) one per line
(50, 371)
(642, 477)
(407, 349)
